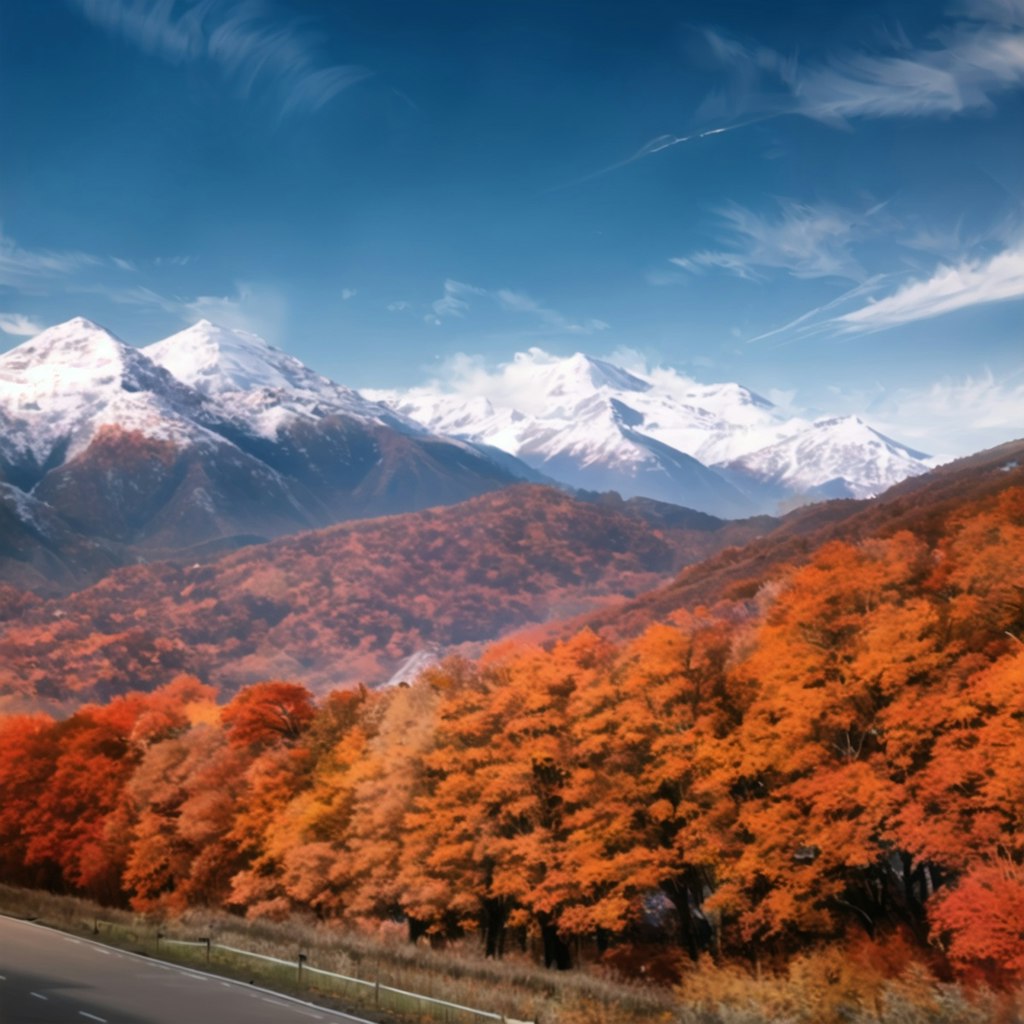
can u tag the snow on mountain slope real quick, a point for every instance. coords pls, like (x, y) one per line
(245, 442)
(592, 424)
(257, 385)
(835, 457)
(60, 388)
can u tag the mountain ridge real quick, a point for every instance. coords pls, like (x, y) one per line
(125, 453)
(355, 601)
(582, 420)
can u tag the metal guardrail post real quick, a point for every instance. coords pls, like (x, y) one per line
(301, 961)
(207, 941)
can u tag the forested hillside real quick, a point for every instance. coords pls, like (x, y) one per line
(349, 603)
(840, 754)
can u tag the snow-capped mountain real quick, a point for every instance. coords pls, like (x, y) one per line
(259, 385)
(59, 389)
(719, 448)
(838, 457)
(212, 436)
(247, 442)
(122, 450)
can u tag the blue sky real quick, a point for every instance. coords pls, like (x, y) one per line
(822, 201)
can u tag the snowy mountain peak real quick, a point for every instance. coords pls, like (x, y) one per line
(576, 376)
(73, 357)
(838, 456)
(854, 430)
(215, 359)
(70, 342)
(258, 386)
(62, 387)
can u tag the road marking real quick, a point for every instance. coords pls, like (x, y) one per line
(252, 988)
(92, 1016)
(3, 977)
(38, 996)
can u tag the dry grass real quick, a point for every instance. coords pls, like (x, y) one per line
(864, 984)
(515, 986)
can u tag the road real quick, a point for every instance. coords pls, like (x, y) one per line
(47, 977)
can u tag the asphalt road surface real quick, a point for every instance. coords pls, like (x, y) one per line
(47, 977)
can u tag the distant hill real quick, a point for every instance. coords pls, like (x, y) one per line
(922, 505)
(355, 601)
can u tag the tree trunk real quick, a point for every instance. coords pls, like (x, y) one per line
(686, 933)
(556, 951)
(495, 914)
(417, 928)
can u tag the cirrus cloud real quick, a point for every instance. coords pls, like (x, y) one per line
(251, 45)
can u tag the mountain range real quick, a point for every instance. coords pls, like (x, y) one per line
(212, 439)
(720, 448)
(208, 438)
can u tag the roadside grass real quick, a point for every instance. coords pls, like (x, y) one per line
(856, 984)
(513, 987)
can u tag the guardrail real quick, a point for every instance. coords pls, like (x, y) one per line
(300, 975)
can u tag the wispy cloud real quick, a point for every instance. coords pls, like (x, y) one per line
(660, 142)
(519, 302)
(32, 269)
(970, 59)
(950, 288)
(19, 325)
(805, 240)
(950, 417)
(248, 40)
(888, 300)
(454, 302)
(348, 293)
(259, 309)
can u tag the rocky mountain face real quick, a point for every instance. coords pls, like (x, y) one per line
(210, 437)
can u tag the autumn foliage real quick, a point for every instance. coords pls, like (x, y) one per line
(837, 756)
(349, 603)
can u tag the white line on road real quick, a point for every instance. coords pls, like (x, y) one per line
(293, 1003)
(92, 1016)
(38, 996)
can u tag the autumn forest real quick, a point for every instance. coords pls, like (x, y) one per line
(830, 750)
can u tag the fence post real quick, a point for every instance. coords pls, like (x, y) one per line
(207, 941)
(302, 960)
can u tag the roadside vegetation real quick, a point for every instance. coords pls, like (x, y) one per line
(830, 985)
(800, 803)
